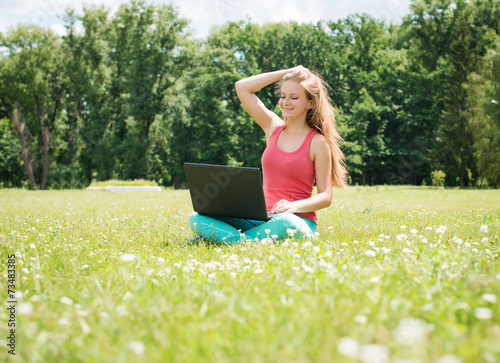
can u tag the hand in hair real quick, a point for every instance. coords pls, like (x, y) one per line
(300, 68)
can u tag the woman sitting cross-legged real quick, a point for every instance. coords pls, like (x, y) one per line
(302, 148)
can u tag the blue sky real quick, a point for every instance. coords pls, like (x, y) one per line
(203, 14)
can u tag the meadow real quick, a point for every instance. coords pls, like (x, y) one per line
(397, 274)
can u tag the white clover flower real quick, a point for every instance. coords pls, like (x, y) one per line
(25, 270)
(307, 244)
(462, 305)
(483, 313)
(484, 228)
(316, 249)
(490, 298)
(407, 250)
(427, 307)
(63, 321)
(32, 245)
(66, 300)
(375, 280)
(373, 353)
(349, 347)
(104, 315)
(267, 230)
(370, 253)
(258, 271)
(290, 283)
(403, 227)
(295, 244)
(328, 254)
(154, 281)
(448, 359)
(121, 310)
(484, 240)
(25, 308)
(441, 230)
(84, 267)
(160, 259)
(411, 331)
(413, 231)
(127, 257)
(137, 347)
(360, 319)
(290, 232)
(307, 268)
(127, 296)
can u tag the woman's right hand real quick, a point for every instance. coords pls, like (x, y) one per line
(299, 68)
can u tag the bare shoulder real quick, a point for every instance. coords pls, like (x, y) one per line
(319, 147)
(319, 143)
(274, 124)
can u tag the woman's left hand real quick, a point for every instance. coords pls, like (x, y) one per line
(284, 206)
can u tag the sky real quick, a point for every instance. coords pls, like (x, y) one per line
(203, 14)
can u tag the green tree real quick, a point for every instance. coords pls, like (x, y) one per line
(31, 91)
(483, 92)
(11, 170)
(448, 39)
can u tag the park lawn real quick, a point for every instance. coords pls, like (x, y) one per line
(396, 273)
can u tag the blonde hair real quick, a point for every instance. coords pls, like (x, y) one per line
(321, 117)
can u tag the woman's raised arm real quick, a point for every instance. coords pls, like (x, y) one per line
(246, 89)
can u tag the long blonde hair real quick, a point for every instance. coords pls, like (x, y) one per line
(321, 117)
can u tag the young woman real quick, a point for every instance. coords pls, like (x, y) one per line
(301, 148)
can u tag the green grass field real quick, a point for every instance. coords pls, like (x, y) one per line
(397, 274)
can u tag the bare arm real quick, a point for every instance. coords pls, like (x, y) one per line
(323, 167)
(246, 89)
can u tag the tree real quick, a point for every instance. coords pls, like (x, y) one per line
(483, 92)
(11, 170)
(452, 37)
(31, 91)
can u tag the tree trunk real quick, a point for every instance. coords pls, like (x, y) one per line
(20, 127)
(45, 149)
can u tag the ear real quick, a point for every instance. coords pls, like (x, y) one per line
(311, 105)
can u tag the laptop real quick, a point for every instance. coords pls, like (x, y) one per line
(230, 191)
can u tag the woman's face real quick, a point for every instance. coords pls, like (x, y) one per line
(293, 100)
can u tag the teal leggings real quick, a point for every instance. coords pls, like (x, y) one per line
(226, 230)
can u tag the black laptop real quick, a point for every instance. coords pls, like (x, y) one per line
(230, 191)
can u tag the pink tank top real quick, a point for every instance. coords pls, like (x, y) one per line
(288, 175)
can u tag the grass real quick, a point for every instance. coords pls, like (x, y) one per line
(123, 183)
(396, 273)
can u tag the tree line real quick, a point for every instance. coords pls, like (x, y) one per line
(134, 95)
